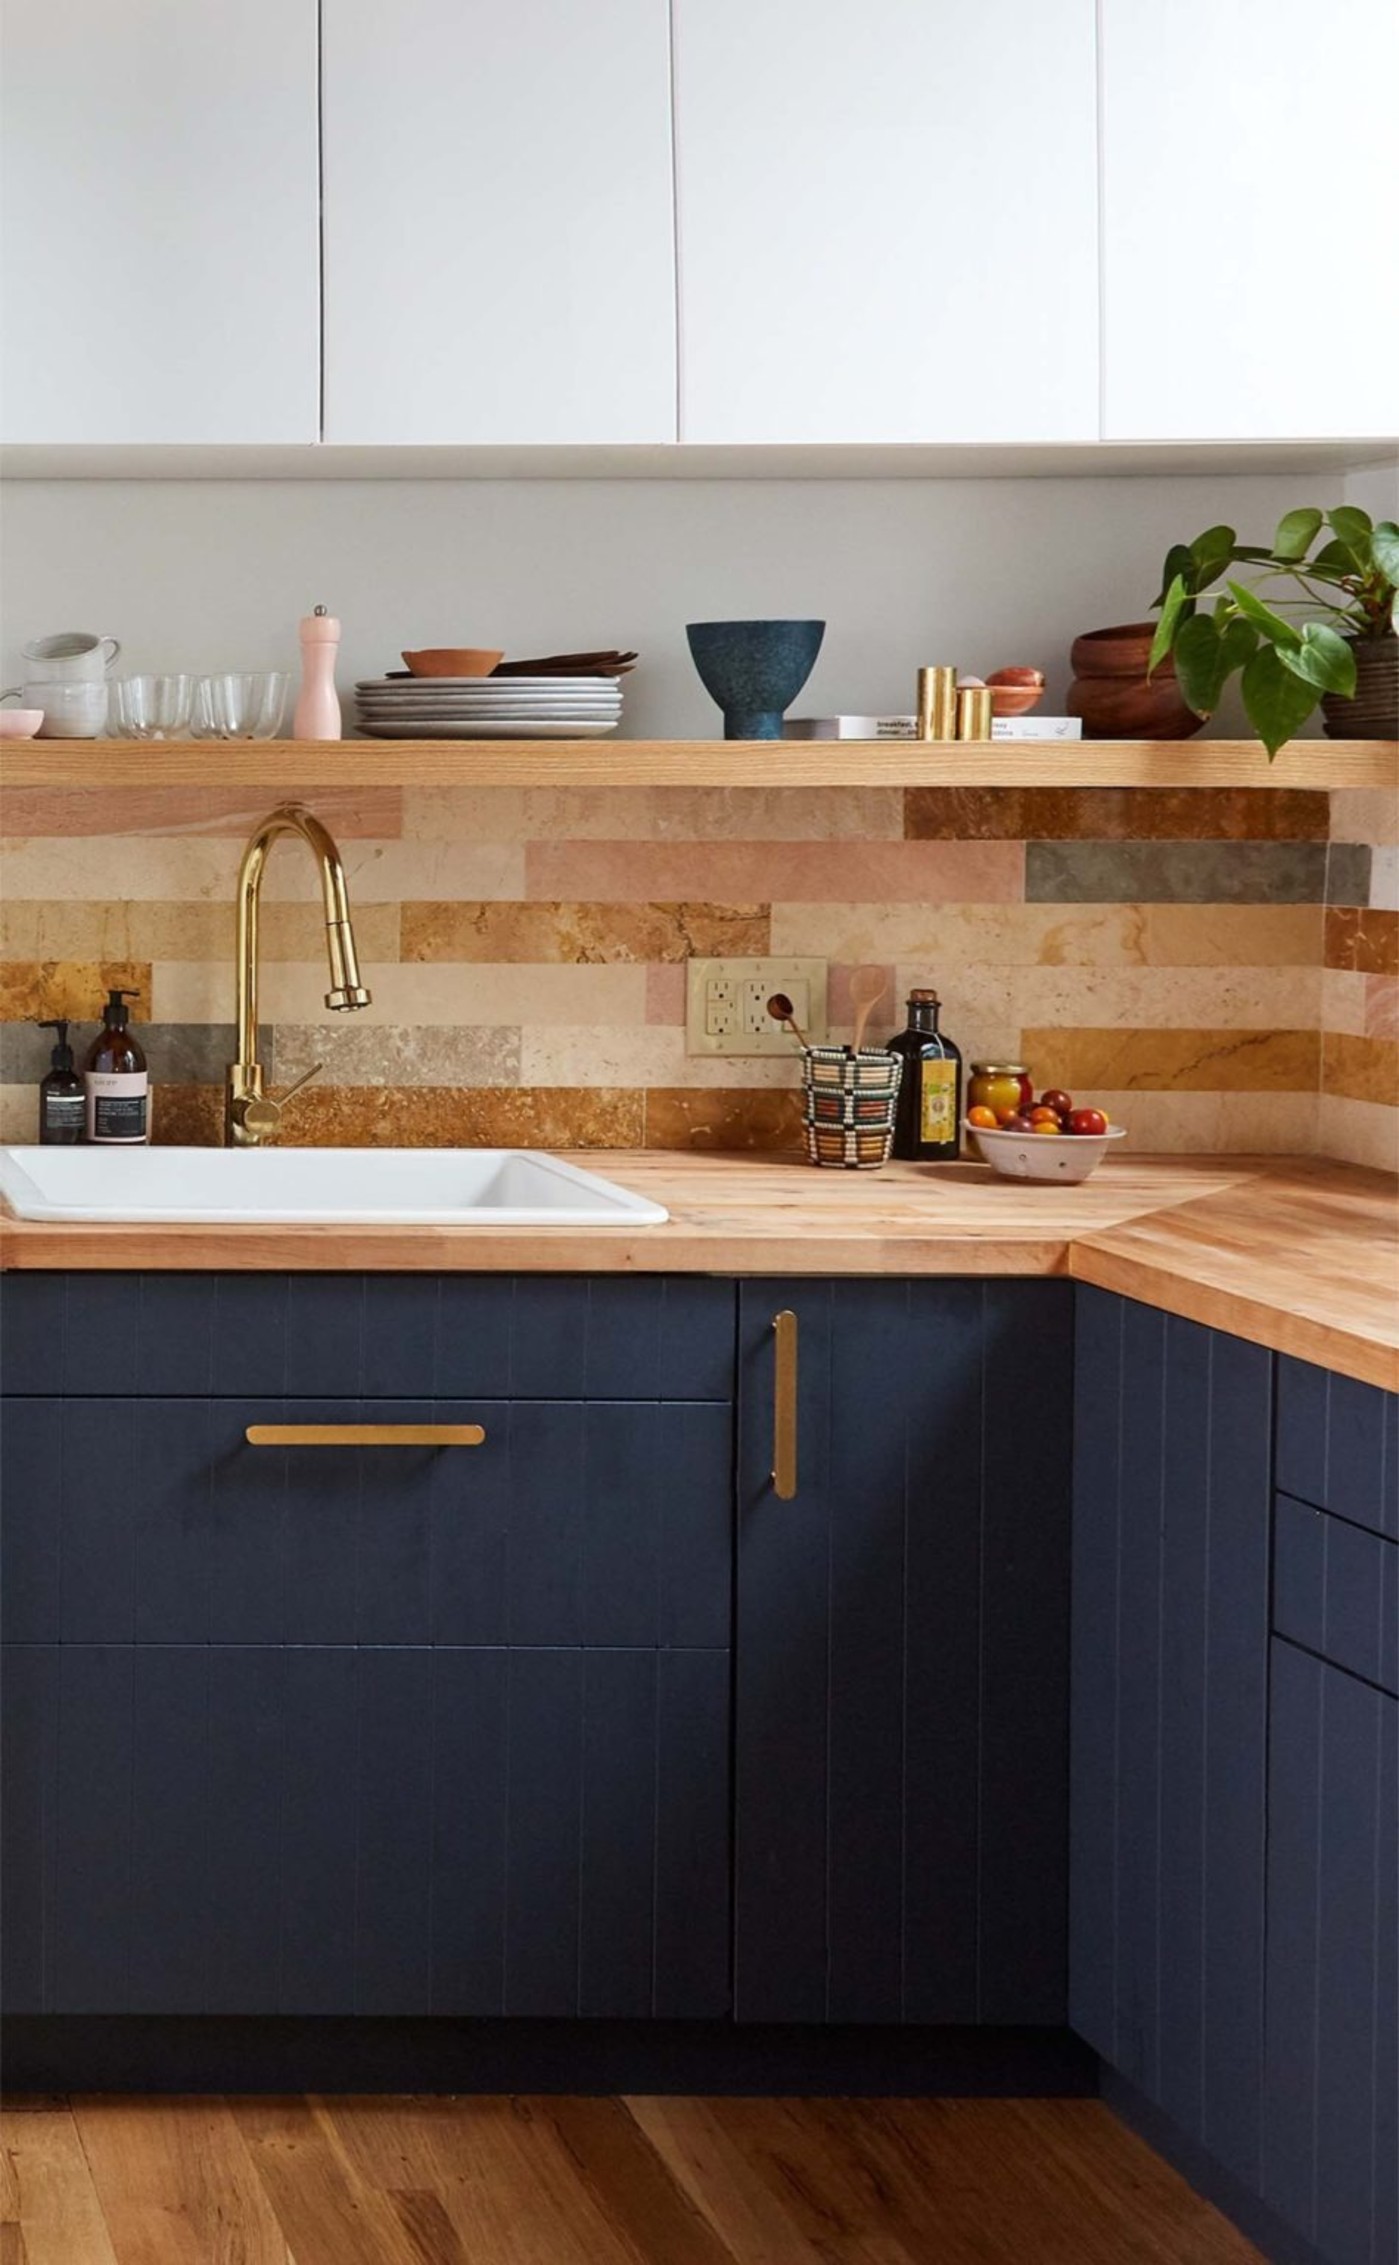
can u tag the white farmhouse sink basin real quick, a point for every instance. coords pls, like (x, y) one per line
(451, 1187)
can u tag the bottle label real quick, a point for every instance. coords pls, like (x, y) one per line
(64, 1112)
(118, 1105)
(937, 1120)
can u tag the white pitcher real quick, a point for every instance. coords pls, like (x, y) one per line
(66, 676)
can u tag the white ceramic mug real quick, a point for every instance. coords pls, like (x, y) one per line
(66, 676)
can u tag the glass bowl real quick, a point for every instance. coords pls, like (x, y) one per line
(151, 707)
(240, 707)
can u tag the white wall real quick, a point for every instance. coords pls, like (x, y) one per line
(214, 574)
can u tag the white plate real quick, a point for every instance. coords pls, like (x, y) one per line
(449, 707)
(488, 684)
(504, 728)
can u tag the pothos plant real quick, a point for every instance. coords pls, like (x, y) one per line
(1298, 643)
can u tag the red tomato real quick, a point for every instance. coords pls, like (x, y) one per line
(1088, 1121)
(1017, 1123)
(1057, 1100)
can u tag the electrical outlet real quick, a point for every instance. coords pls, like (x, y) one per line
(726, 1004)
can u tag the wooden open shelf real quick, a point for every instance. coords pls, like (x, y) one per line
(288, 763)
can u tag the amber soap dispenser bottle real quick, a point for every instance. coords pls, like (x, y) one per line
(927, 1129)
(116, 1082)
(62, 1100)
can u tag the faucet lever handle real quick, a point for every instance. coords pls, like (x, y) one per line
(297, 1083)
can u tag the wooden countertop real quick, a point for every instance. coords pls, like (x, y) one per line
(1296, 1254)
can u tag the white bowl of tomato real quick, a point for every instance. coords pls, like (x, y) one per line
(1046, 1140)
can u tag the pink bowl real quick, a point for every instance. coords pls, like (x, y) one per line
(20, 723)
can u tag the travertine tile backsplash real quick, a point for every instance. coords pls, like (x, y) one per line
(1219, 968)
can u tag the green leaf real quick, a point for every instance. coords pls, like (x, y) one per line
(1385, 549)
(1211, 553)
(1207, 652)
(1178, 561)
(1323, 658)
(1355, 528)
(1176, 601)
(1296, 530)
(1276, 701)
(1263, 617)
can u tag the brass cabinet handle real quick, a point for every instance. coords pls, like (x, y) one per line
(784, 1405)
(365, 1435)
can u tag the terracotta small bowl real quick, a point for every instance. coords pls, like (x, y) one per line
(1015, 691)
(452, 660)
(20, 723)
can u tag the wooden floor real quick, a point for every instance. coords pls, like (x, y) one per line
(404, 2181)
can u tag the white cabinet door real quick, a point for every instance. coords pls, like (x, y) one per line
(158, 221)
(1250, 187)
(887, 220)
(499, 233)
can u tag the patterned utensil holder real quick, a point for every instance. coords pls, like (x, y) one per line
(850, 1103)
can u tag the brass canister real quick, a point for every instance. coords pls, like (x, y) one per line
(973, 711)
(937, 703)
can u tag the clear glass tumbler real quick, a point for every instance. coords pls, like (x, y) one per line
(240, 707)
(152, 707)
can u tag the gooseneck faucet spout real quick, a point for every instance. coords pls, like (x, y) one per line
(250, 1116)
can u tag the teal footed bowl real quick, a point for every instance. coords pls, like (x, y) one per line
(754, 669)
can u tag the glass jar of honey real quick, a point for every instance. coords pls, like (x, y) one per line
(1000, 1086)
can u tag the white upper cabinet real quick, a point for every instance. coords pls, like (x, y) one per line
(1250, 187)
(499, 239)
(887, 220)
(158, 221)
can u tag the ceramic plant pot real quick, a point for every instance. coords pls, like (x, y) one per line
(1113, 694)
(754, 669)
(1372, 711)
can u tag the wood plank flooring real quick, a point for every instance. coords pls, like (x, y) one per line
(412, 2181)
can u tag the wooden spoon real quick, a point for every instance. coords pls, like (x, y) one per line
(867, 987)
(781, 1010)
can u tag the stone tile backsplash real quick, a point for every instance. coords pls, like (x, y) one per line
(1220, 968)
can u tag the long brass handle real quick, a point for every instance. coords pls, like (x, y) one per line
(365, 1435)
(784, 1405)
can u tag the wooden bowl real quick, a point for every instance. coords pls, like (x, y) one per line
(452, 660)
(1015, 691)
(1113, 694)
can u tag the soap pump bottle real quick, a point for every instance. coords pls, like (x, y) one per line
(62, 1101)
(317, 712)
(116, 1083)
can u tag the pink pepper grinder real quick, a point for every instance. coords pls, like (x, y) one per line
(317, 707)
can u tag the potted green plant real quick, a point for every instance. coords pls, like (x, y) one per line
(1325, 633)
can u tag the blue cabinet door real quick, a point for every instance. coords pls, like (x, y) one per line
(902, 1641)
(1332, 2099)
(1172, 1486)
(373, 1729)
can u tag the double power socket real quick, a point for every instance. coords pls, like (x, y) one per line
(726, 1007)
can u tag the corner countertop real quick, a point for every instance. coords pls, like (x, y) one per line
(1297, 1254)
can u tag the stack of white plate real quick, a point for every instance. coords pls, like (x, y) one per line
(488, 707)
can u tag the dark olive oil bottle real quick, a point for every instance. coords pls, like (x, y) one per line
(928, 1127)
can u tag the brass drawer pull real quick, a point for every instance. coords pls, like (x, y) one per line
(365, 1435)
(784, 1406)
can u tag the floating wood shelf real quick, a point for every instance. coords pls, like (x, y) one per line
(292, 763)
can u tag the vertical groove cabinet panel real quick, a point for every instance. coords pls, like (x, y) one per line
(1332, 2098)
(499, 237)
(336, 1830)
(1331, 95)
(605, 1522)
(159, 244)
(1338, 1445)
(860, 258)
(901, 1731)
(1170, 1637)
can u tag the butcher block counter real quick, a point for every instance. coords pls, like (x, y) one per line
(1299, 1255)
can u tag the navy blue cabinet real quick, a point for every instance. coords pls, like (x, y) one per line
(902, 1656)
(1172, 1498)
(1332, 2156)
(355, 1729)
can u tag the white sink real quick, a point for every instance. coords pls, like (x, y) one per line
(451, 1187)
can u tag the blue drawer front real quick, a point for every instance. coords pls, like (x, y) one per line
(1336, 1591)
(1338, 1445)
(386, 1336)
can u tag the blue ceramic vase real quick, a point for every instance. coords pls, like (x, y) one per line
(754, 669)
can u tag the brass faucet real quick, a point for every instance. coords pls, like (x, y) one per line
(251, 1116)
